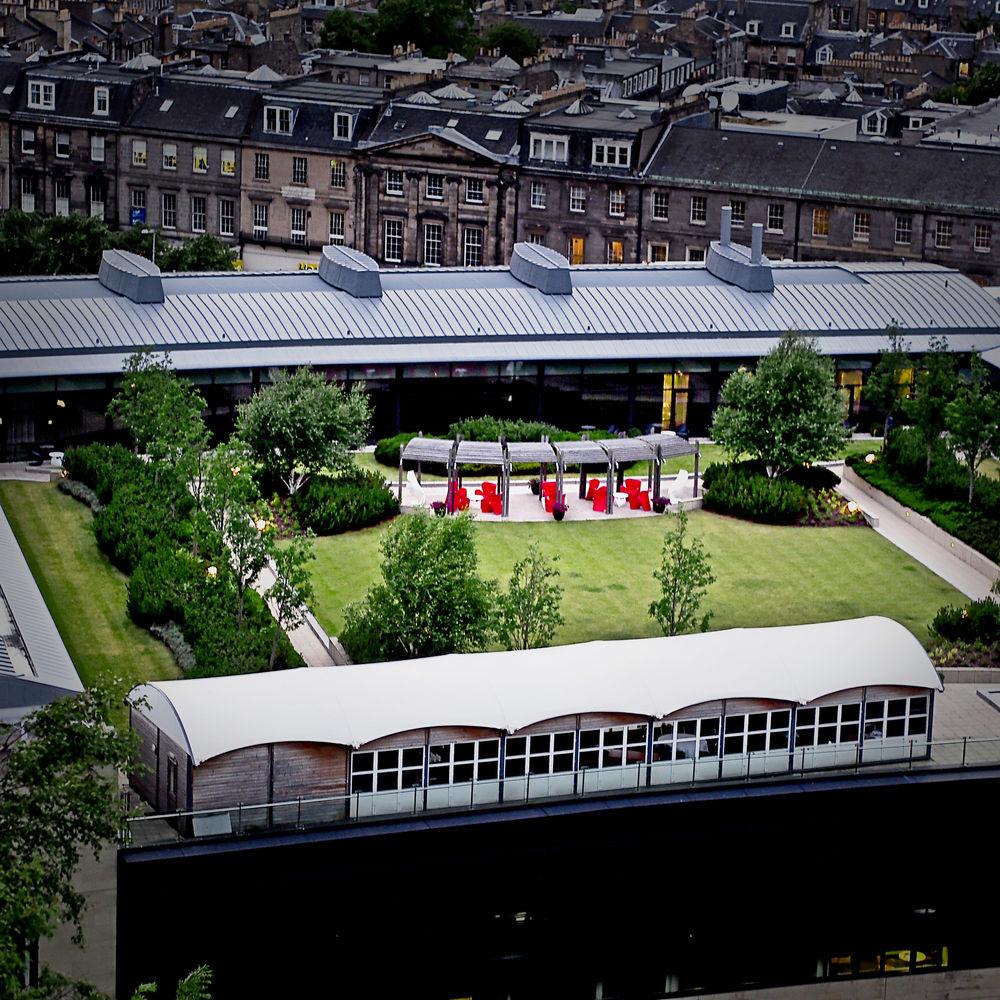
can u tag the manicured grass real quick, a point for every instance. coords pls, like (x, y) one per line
(766, 575)
(85, 594)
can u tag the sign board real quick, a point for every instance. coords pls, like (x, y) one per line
(137, 216)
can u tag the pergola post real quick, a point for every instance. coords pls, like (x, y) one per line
(657, 464)
(399, 485)
(697, 463)
(609, 504)
(560, 471)
(420, 434)
(583, 482)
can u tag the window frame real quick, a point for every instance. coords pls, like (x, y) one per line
(396, 237)
(821, 213)
(199, 212)
(395, 183)
(438, 193)
(99, 93)
(944, 234)
(601, 151)
(577, 199)
(616, 203)
(168, 210)
(282, 115)
(738, 220)
(46, 100)
(261, 218)
(903, 224)
(337, 238)
(475, 191)
(539, 141)
(537, 194)
(300, 170)
(775, 210)
(298, 225)
(437, 243)
(469, 246)
(862, 229)
(539, 755)
(984, 245)
(169, 160)
(227, 210)
(698, 210)
(660, 200)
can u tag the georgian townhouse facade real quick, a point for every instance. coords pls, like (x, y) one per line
(895, 203)
(580, 190)
(300, 186)
(65, 123)
(181, 153)
(440, 183)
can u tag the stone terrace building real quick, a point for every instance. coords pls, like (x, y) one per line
(440, 175)
(580, 190)
(823, 200)
(182, 152)
(65, 122)
(300, 187)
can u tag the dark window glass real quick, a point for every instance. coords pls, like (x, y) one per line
(463, 772)
(757, 721)
(875, 709)
(895, 727)
(806, 716)
(918, 706)
(562, 762)
(515, 746)
(438, 775)
(709, 748)
(514, 768)
(688, 727)
(488, 770)
(363, 761)
(362, 783)
(465, 751)
(564, 741)
(589, 758)
(828, 714)
(539, 765)
(489, 749)
(779, 720)
(387, 759)
(850, 713)
(827, 734)
(805, 738)
(849, 733)
(413, 778)
(636, 735)
(779, 740)
(897, 707)
(590, 737)
(735, 724)
(756, 742)
(612, 738)
(709, 727)
(918, 726)
(413, 757)
(439, 755)
(539, 744)
(734, 744)
(387, 781)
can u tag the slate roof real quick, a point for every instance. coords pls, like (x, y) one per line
(563, 26)
(772, 14)
(909, 176)
(843, 44)
(196, 108)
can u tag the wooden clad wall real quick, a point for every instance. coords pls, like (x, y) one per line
(232, 778)
(143, 777)
(308, 770)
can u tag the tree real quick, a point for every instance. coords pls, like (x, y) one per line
(292, 589)
(194, 986)
(973, 419)
(247, 539)
(345, 29)
(301, 423)
(58, 798)
(983, 85)
(884, 390)
(227, 483)
(685, 574)
(431, 599)
(73, 245)
(528, 611)
(436, 27)
(513, 40)
(785, 413)
(934, 387)
(161, 411)
(203, 253)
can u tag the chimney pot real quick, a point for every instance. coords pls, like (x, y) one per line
(756, 242)
(727, 225)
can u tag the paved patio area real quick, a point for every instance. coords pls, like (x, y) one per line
(525, 506)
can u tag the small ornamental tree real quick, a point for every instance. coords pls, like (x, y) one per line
(528, 610)
(247, 538)
(58, 798)
(431, 599)
(227, 483)
(292, 589)
(934, 389)
(785, 413)
(512, 40)
(885, 390)
(301, 423)
(685, 574)
(973, 419)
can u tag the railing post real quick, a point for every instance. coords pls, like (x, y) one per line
(965, 745)
(298, 820)
(239, 818)
(909, 766)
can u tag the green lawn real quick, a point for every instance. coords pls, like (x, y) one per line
(710, 453)
(84, 592)
(765, 575)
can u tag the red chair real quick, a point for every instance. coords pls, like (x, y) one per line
(548, 489)
(491, 504)
(462, 499)
(592, 487)
(486, 490)
(549, 501)
(639, 500)
(601, 500)
(632, 485)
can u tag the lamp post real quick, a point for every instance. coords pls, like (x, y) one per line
(151, 232)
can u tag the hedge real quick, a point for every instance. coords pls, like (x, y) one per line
(976, 622)
(744, 492)
(330, 505)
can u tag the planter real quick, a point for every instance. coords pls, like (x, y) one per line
(533, 486)
(558, 515)
(659, 506)
(439, 508)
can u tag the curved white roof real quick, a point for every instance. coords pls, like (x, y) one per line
(510, 690)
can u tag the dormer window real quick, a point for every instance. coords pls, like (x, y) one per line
(753, 28)
(788, 29)
(824, 55)
(41, 95)
(874, 123)
(608, 153)
(278, 120)
(101, 101)
(549, 147)
(343, 125)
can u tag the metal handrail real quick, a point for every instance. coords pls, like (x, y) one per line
(519, 789)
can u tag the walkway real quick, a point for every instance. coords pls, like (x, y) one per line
(904, 536)
(25, 473)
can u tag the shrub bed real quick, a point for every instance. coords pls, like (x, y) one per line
(978, 622)
(144, 525)
(330, 505)
(940, 496)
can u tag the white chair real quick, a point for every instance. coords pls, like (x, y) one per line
(679, 486)
(415, 492)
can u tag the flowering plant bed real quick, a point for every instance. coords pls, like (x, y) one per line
(966, 655)
(828, 509)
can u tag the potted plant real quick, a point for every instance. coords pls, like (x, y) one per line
(533, 486)
(559, 510)
(660, 504)
(439, 507)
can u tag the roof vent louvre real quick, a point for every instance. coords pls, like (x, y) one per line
(130, 275)
(541, 268)
(745, 267)
(351, 271)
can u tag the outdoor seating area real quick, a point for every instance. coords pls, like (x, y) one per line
(599, 465)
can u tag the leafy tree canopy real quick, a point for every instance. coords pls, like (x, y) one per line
(885, 389)
(785, 413)
(436, 27)
(301, 423)
(983, 85)
(528, 610)
(973, 419)
(431, 599)
(685, 574)
(513, 40)
(934, 388)
(58, 798)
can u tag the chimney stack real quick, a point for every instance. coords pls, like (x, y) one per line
(756, 242)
